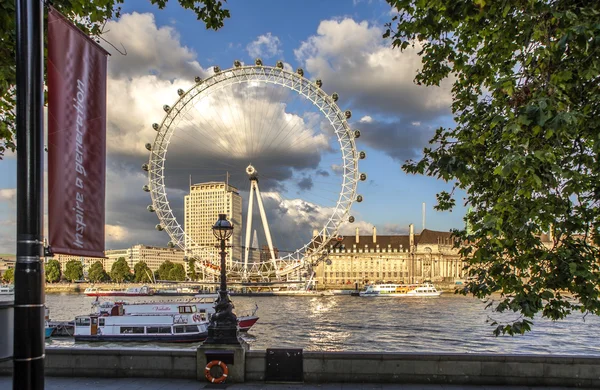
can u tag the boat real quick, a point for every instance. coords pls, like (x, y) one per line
(425, 289)
(203, 306)
(7, 289)
(130, 292)
(177, 292)
(132, 323)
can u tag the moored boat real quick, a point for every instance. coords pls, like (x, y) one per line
(426, 289)
(185, 325)
(130, 292)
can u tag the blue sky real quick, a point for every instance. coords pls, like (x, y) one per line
(336, 41)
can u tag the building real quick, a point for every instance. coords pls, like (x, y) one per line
(85, 261)
(7, 262)
(410, 258)
(202, 208)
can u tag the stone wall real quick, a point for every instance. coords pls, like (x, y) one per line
(349, 367)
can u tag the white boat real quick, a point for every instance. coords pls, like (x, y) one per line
(7, 289)
(136, 323)
(400, 290)
(130, 292)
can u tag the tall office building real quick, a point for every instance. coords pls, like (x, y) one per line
(202, 208)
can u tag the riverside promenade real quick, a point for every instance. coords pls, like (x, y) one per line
(61, 383)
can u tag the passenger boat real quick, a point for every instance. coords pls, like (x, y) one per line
(7, 289)
(134, 323)
(177, 292)
(426, 289)
(130, 292)
(203, 307)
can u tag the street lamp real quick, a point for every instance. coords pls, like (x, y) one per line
(222, 328)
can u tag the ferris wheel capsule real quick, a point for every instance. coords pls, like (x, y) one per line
(159, 227)
(171, 245)
(279, 64)
(216, 69)
(258, 62)
(363, 176)
(335, 96)
(180, 92)
(359, 198)
(149, 146)
(319, 83)
(348, 114)
(237, 63)
(150, 208)
(300, 71)
(356, 133)
(362, 155)
(145, 167)
(146, 188)
(166, 108)
(351, 219)
(198, 79)
(155, 126)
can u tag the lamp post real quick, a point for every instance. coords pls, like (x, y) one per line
(222, 328)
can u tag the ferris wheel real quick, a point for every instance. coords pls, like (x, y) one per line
(221, 113)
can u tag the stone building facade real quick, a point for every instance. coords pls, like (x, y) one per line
(412, 258)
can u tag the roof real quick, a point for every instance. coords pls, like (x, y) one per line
(395, 241)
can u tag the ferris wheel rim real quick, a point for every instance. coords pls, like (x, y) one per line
(267, 75)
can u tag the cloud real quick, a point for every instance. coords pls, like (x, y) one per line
(399, 140)
(8, 194)
(266, 46)
(306, 183)
(366, 71)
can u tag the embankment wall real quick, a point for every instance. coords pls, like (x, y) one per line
(350, 367)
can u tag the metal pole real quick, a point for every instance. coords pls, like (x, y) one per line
(223, 292)
(28, 359)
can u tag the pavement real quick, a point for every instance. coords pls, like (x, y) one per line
(60, 383)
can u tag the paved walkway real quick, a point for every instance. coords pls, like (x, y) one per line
(54, 383)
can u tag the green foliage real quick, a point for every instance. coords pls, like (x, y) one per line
(97, 273)
(177, 272)
(120, 271)
(73, 270)
(525, 148)
(165, 269)
(90, 17)
(142, 272)
(53, 272)
(192, 269)
(9, 276)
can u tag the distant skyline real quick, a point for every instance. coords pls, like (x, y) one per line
(339, 42)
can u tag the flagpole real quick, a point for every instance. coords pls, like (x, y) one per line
(29, 349)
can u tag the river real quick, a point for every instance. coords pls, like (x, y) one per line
(449, 323)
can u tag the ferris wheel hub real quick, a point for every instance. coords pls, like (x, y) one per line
(251, 171)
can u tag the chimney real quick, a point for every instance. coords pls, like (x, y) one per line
(357, 236)
(411, 236)
(374, 235)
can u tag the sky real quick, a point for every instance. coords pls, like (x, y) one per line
(339, 42)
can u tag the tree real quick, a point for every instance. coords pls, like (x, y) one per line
(177, 272)
(525, 147)
(192, 269)
(53, 272)
(9, 275)
(142, 272)
(120, 270)
(90, 17)
(165, 269)
(73, 270)
(97, 273)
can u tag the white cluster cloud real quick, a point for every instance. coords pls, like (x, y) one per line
(266, 46)
(352, 59)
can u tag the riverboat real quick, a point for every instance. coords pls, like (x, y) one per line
(177, 292)
(7, 289)
(130, 292)
(125, 323)
(203, 306)
(426, 289)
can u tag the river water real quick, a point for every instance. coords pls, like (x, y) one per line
(449, 323)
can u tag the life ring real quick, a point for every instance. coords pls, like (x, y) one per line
(211, 365)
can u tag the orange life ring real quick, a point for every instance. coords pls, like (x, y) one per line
(211, 365)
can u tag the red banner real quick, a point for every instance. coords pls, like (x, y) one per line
(76, 139)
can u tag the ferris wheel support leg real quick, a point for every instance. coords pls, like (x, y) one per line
(248, 227)
(263, 217)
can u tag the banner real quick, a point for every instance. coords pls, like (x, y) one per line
(76, 139)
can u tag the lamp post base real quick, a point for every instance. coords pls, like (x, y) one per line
(222, 335)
